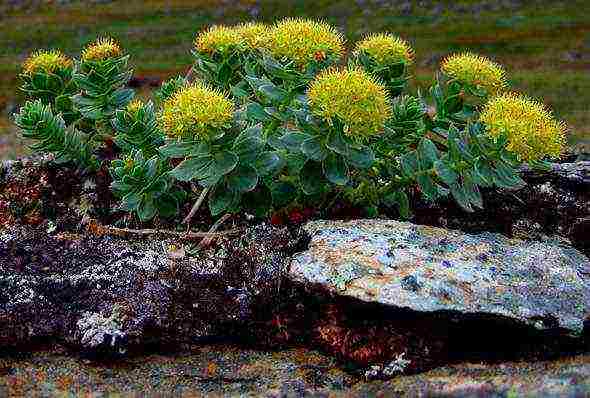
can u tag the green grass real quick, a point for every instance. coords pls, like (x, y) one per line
(545, 46)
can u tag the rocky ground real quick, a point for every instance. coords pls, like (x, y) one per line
(225, 370)
(379, 299)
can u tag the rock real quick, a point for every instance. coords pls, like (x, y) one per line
(427, 269)
(105, 294)
(222, 370)
(557, 201)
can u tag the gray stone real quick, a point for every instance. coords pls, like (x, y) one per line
(428, 269)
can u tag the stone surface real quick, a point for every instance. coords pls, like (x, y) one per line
(230, 371)
(428, 269)
(104, 294)
(553, 203)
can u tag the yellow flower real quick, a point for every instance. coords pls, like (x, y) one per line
(101, 49)
(531, 130)
(46, 61)
(134, 106)
(254, 34)
(386, 48)
(354, 97)
(219, 38)
(303, 40)
(475, 70)
(129, 163)
(195, 110)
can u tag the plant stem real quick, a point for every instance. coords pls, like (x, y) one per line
(102, 229)
(196, 206)
(207, 240)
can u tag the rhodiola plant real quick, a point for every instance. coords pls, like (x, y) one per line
(268, 117)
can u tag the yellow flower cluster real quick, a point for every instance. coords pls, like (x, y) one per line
(475, 70)
(101, 49)
(46, 61)
(134, 106)
(354, 97)
(386, 48)
(303, 40)
(253, 33)
(531, 130)
(195, 110)
(219, 38)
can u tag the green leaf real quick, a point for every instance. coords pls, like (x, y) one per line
(453, 103)
(167, 205)
(268, 163)
(122, 97)
(311, 178)
(283, 193)
(409, 163)
(249, 144)
(293, 140)
(506, 176)
(400, 200)
(295, 162)
(273, 92)
(255, 111)
(130, 201)
(453, 145)
(363, 157)
(482, 174)
(224, 73)
(223, 163)
(445, 172)
(178, 149)
(337, 144)
(189, 169)
(220, 200)
(238, 91)
(428, 152)
(242, 179)
(472, 191)
(313, 149)
(336, 169)
(147, 209)
(458, 192)
(427, 186)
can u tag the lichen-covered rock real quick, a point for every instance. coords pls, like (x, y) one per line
(429, 269)
(552, 203)
(104, 294)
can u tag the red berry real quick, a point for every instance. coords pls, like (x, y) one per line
(276, 219)
(296, 217)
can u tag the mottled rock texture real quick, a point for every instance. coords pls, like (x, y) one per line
(104, 294)
(231, 371)
(426, 269)
(60, 279)
(556, 202)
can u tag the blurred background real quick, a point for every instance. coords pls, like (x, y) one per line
(544, 45)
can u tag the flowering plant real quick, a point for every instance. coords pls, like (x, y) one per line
(268, 118)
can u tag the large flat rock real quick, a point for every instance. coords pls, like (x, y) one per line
(426, 269)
